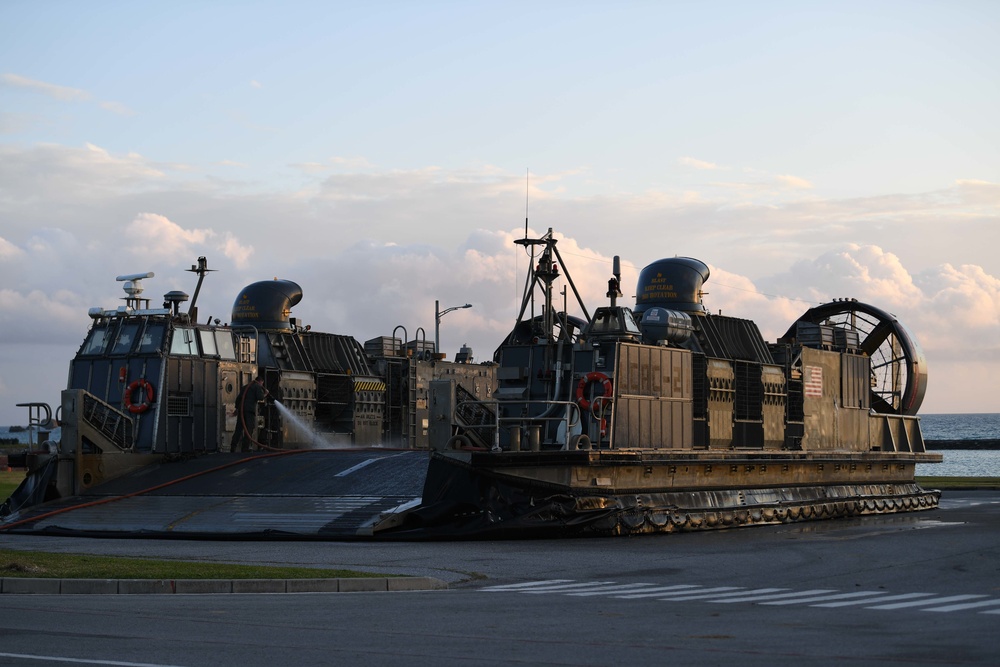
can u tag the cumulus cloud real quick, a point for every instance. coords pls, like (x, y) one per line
(61, 93)
(739, 296)
(232, 248)
(351, 162)
(149, 231)
(976, 192)
(8, 250)
(969, 298)
(696, 163)
(794, 182)
(866, 272)
(954, 312)
(374, 248)
(37, 316)
(46, 180)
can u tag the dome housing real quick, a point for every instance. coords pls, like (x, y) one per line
(267, 304)
(674, 284)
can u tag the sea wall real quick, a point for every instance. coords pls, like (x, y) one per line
(963, 444)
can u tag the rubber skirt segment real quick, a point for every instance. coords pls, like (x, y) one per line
(462, 502)
(408, 495)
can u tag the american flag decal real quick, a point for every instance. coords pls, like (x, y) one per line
(813, 380)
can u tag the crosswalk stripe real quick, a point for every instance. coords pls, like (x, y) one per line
(967, 605)
(528, 584)
(887, 598)
(775, 596)
(825, 598)
(703, 593)
(654, 592)
(869, 595)
(921, 603)
(605, 590)
(560, 588)
(743, 592)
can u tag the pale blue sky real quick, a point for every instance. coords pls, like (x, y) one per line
(804, 150)
(846, 95)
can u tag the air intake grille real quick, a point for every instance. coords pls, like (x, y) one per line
(179, 405)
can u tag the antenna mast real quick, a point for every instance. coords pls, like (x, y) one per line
(527, 191)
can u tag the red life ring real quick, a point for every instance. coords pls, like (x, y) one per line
(147, 396)
(581, 399)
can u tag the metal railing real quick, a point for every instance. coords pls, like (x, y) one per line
(114, 425)
(571, 418)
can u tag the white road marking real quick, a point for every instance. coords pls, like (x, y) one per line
(562, 588)
(618, 588)
(967, 605)
(528, 584)
(826, 598)
(743, 592)
(83, 661)
(888, 598)
(922, 603)
(775, 596)
(655, 592)
(703, 593)
(871, 596)
(345, 473)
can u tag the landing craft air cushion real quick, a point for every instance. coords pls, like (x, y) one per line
(659, 418)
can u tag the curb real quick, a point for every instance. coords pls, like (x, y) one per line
(34, 586)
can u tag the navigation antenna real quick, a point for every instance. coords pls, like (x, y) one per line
(201, 268)
(527, 191)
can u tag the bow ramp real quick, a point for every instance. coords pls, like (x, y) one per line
(340, 494)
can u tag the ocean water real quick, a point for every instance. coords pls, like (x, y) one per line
(962, 462)
(961, 427)
(24, 437)
(957, 462)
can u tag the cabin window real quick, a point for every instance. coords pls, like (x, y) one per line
(183, 342)
(224, 339)
(605, 321)
(208, 347)
(126, 337)
(631, 326)
(95, 342)
(152, 339)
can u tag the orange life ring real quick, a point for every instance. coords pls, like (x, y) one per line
(147, 396)
(581, 399)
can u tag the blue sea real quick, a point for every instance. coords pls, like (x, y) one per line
(24, 437)
(962, 462)
(957, 462)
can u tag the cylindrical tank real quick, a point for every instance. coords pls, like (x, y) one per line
(674, 283)
(267, 304)
(672, 326)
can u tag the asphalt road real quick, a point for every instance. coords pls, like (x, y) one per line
(920, 589)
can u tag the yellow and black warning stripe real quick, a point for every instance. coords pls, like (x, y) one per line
(369, 385)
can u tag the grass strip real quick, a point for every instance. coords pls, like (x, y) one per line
(9, 480)
(959, 483)
(14, 563)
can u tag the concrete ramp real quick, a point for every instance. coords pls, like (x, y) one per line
(315, 494)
